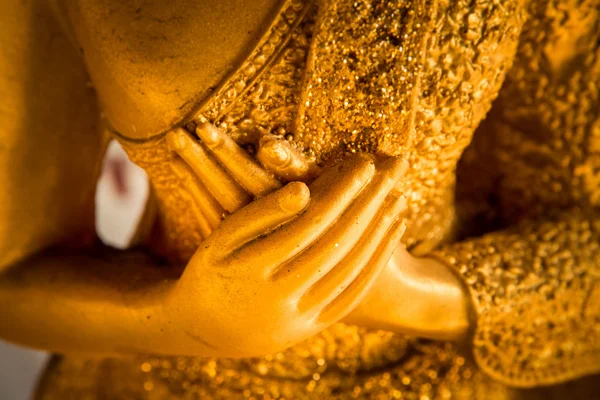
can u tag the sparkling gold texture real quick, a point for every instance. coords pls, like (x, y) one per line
(396, 78)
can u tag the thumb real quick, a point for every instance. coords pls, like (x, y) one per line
(260, 216)
(278, 156)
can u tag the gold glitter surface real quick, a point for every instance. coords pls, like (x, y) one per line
(415, 78)
(269, 103)
(535, 285)
(532, 287)
(412, 79)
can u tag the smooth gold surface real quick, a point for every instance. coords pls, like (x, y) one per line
(50, 149)
(358, 114)
(135, 49)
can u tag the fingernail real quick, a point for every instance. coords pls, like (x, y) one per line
(209, 134)
(402, 164)
(174, 140)
(296, 198)
(276, 153)
(400, 204)
(393, 164)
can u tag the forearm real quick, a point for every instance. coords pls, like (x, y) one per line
(535, 291)
(111, 304)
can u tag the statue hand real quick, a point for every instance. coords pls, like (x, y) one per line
(293, 262)
(411, 295)
(219, 175)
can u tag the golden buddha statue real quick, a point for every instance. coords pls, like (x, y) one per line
(333, 217)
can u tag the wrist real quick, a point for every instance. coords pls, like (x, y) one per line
(449, 308)
(416, 296)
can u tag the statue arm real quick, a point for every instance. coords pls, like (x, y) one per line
(536, 286)
(536, 292)
(74, 301)
(258, 284)
(106, 302)
(411, 295)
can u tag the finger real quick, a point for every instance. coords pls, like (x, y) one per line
(208, 206)
(240, 165)
(205, 228)
(222, 186)
(345, 272)
(354, 293)
(334, 190)
(203, 223)
(279, 157)
(260, 217)
(306, 269)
